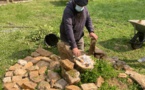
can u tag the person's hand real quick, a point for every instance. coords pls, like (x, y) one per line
(76, 52)
(93, 35)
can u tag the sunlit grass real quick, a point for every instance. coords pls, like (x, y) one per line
(110, 21)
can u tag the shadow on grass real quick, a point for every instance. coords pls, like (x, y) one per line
(21, 54)
(59, 2)
(135, 64)
(54, 50)
(117, 44)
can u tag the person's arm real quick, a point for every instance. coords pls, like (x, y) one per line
(89, 26)
(69, 32)
(69, 28)
(88, 23)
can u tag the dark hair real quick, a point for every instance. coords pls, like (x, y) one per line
(81, 2)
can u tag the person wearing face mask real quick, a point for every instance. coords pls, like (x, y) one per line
(75, 18)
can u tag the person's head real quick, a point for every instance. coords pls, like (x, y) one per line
(80, 5)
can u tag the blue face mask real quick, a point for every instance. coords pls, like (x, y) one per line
(79, 8)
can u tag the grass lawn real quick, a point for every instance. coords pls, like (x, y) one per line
(110, 20)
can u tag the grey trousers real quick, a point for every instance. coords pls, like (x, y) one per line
(80, 44)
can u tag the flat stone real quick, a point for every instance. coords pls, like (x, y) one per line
(43, 85)
(72, 87)
(29, 85)
(42, 70)
(28, 65)
(60, 84)
(42, 64)
(20, 72)
(99, 81)
(54, 57)
(33, 68)
(53, 75)
(28, 58)
(67, 64)
(43, 52)
(8, 86)
(7, 79)
(47, 59)
(33, 74)
(14, 67)
(122, 75)
(9, 74)
(38, 58)
(38, 79)
(16, 78)
(22, 62)
(35, 54)
(19, 83)
(72, 76)
(127, 67)
(89, 86)
(139, 78)
(54, 65)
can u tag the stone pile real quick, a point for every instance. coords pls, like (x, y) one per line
(44, 70)
(40, 71)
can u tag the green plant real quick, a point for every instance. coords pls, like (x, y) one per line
(102, 68)
(40, 33)
(106, 86)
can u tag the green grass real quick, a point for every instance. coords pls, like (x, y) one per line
(110, 20)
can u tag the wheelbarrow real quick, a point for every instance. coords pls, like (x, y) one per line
(139, 33)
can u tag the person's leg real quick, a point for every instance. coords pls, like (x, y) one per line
(80, 44)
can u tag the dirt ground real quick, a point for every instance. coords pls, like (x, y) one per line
(115, 82)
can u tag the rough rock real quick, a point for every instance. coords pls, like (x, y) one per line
(54, 65)
(99, 81)
(72, 87)
(29, 85)
(122, 75)
(67, 64)
(14, 67)
(42, 64)
(20, 72)
(35, 54)
(43, 52)
(89, 86)
(7, 79)
(60, 84)
(43, 85)
(9, 74)
(72, 76)
(22, 62)
(140, 79)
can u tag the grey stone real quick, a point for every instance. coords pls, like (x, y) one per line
(43, 85)
(60, 84)
(42, 64)
(72, 76)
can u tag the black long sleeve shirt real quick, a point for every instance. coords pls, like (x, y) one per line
(72, 26)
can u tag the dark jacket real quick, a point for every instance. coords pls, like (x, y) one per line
(73, 23)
